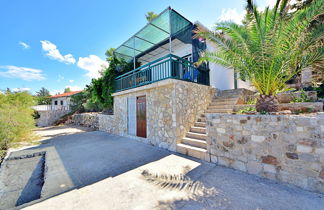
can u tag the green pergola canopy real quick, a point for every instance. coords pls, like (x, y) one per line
(166, 25)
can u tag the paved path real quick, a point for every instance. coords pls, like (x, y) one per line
(103, 171)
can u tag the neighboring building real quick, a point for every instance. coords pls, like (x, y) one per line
(60, 106)
(62, 101)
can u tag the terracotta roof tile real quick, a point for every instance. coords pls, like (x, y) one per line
(66, 94)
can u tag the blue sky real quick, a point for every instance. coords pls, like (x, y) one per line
(55, 44)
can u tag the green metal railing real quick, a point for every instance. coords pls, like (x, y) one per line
(169, 66)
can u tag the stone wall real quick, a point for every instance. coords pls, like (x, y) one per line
(289, 148)
(107, 123)
(86, 119)
(171, 108)
(49, 117)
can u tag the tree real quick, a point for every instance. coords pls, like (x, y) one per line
(151, 16)
(43, 96)
(67, 90)
(270, 48)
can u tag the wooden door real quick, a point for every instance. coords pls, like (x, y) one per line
(141, 116)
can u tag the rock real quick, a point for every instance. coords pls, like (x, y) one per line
(269, 159)
(291, 155)
(258, 139)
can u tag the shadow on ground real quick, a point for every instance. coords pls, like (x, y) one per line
(147, 177)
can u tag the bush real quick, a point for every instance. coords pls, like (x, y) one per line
(16, 118)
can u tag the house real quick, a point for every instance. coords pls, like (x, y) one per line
(62, 101)
(165, 98)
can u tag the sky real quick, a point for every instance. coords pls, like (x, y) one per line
(62, 43)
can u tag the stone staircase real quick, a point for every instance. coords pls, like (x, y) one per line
(194, 143)
(225, 101)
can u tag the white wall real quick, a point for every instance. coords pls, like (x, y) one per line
(66, 102)
(221, 77)
(178, 48)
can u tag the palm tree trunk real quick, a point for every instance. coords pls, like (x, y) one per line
(267, 103)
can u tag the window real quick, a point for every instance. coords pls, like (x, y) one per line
(61, 103)
(55, 102)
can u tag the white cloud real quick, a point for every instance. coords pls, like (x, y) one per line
(24, 45)
(71, 80)
(20, 89)
(52, 52)
(231, 14)
(93, 64)
(74, 88)
(24, 73)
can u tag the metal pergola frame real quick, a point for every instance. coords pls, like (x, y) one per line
(151, 43)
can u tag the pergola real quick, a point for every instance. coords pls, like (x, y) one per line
(167, 26)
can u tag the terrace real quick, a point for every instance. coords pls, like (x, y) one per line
(166, 49)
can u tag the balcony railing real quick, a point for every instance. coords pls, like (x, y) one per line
(169, 66)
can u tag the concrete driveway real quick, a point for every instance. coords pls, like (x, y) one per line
(96, 170)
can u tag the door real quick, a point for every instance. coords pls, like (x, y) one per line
(131, 115)
(141, 116)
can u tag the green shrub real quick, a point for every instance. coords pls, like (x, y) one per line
(16, 118)
(300, 99)
(246, 110)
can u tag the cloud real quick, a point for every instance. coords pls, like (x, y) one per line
(71, 80)
(231, 14)
(52, 52)
(24, 45)
(73, 88)
(20, 89)
(23, 73)
(93, 64)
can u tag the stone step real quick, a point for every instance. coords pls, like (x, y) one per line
(201, 119)
(195, 142)
(200, 136)
(192, 151)
(198, 129)
(224, 101)
(200, 124)
(227, 96)
(219, 111)
(223, 106)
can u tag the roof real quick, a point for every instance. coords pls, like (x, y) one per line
(66, 94)
(167, 24)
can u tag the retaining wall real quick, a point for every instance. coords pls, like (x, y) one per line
(90, 120)
(289, 148)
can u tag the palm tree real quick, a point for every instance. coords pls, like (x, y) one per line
(270, 48)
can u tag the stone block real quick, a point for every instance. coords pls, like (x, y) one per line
(221, 130)
(299, 129)
(304, 149)
(269, 159)
(254, 167)
(258, 139)
(239, 165)
(319, 151)
(269, 168)
(291, 155)
(214, 159)
(224, 161)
